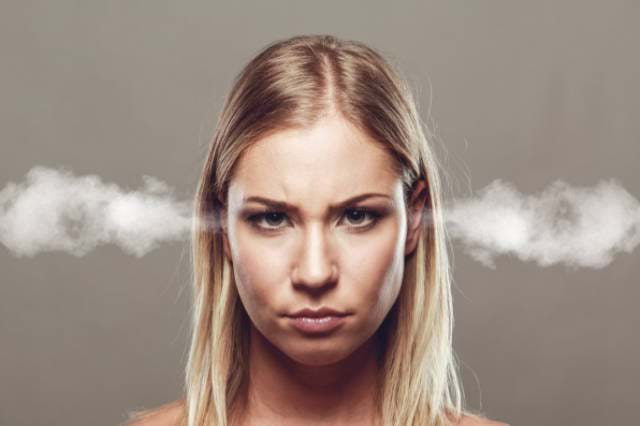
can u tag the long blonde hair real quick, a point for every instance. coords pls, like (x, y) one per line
(290, 84)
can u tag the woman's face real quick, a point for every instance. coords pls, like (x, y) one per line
(308, 254)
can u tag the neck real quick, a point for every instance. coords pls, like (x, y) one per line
(288, 392)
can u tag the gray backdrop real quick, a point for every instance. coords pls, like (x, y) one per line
(528, 92)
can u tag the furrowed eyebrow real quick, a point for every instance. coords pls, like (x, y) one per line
(282, 205)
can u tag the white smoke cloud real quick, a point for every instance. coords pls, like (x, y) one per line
(53, 210)
(574, 226)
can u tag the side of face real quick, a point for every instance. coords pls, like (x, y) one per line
(350, 259)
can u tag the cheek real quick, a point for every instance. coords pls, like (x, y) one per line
(257, 270)
(377, 268)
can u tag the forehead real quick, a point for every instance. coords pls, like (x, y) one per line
(332, 159)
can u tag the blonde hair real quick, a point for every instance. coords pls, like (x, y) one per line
(290, 84)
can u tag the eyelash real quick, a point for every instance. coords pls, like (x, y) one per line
(374, 215)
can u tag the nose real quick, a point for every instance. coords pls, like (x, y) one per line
(315, 270)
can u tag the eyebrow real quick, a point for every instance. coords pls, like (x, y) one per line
(282, 205)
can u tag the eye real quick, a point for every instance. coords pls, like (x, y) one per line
(272, 217)
(355, 215)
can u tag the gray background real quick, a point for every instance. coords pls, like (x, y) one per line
(528, 92)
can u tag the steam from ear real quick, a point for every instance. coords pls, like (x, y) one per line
(575, 226)
(53, 210)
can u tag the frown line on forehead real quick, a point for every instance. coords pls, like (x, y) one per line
(283, 205)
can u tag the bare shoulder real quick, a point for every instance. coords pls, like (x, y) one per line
(171, 414)
(479, 421)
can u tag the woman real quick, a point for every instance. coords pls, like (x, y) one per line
(324, 295)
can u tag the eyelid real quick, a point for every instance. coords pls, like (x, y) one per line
(373, 213)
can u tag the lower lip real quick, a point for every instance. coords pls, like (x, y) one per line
(317, 325)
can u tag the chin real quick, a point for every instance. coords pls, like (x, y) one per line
(317, 358)
(317, 352)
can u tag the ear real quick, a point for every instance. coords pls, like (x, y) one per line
(223, 231)
(416, 205)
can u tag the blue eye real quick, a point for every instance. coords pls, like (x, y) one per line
(355, 215)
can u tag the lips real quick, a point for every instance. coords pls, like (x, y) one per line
(317, 321)
(318, 313)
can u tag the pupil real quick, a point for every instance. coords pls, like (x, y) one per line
(272, 217)
(358, 215)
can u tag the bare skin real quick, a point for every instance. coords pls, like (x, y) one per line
(288, 393)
